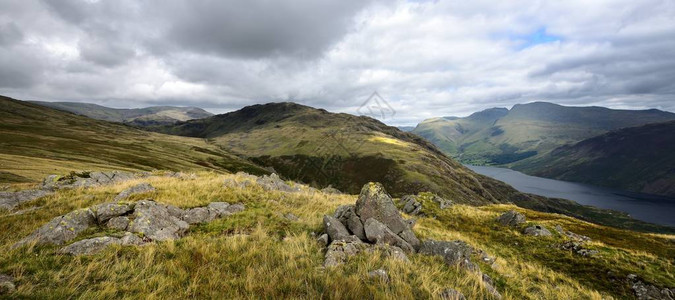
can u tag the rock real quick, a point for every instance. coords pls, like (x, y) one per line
(136, 189)
(408, 236)
(411, 223)
(323, 240)
(291, 217)
(339, 251)
(6, 285)
(572, 235)
(118, 223)
(235, 208)
(131, 240)
(644, 291)
(511, 218)
(154, 221)
(10, 200)
(379, 275)
(489, 285)
(577, 248)
(451, 294)
(442, 203)
(242, 184)
(335, 229)
(61, 229)
(453, 253)
(392, 252)
(219, 209)
(411, 206)
(85, 179)
(348, 217)
(274, 183)
(537, 230)
(90, 246)
(106, 211)
(378, 233)
(331, 191)
(375, 203)
(197, 215)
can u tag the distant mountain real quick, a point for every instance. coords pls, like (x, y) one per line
(638, 159)
(499, 136)
(406, 128)
(149, 116)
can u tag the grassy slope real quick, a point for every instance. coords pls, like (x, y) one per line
(637, 158)
(258, 253)
(36, 141)
(529, 129)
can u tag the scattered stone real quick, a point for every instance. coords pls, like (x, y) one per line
(323, 240)
(131, 239)
(392, 252)
(197, 215)
(274, 183)
(451, 294)
(644, 291)
(572, 235)
(235, 208)
(153, 220)
(220, 209)
(489, 285)
(335, 229)
(379, 233)
(442, 203)
(537, 230)
(136, 189)
(411, 206)
(6, 285)
(379, 275)
(61, 229)
(107, 211)
(119, 223)
(453, 253)
(577, 248)
(374, 202)
(90, 246)
(10, 200)
(339, 251)
(511, 218)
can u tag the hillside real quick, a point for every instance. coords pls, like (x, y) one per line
(149, 116)
(270, 250)
(638, 159)
(500, 136)
(345, 151)
(36, 141)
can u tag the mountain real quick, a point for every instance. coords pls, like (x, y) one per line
(345, 151)
(638, 159)
(406, 128)
(499, 136)
(149, 116)
(36, 141)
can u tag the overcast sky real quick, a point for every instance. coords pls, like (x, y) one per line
(425, 58)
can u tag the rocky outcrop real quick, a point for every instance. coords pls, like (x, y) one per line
(410, 205)
(136, 189)
(6, 285)
(511, 218)
(90, 246)
(451, 294)
(453, 253)
(578, 248)
(375, 203)
(61, 229)
(572, 235)
(10, 200)
(536, 230)
(644, 291)
(158, 222)
(274, 183)
(106, 211)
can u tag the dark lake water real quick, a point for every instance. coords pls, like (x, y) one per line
(649, 208)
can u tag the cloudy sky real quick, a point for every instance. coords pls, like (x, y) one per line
(425, 58)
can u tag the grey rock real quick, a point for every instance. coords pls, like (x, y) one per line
(411, 206)
(537, 230)
(153, 220)
(219, 209)
(451, 294)
(235, 208)
(331, 191)
(90, 246)
(334, 228)
(339, 251)
(241, 184)
(10, 200)
(197, 215)
(577, 248)
(323, 240)
(85, 179)
(274, 183)
(348, 217)
(389, 251)
(136, 189)
(343, 212)
(442, 203)
(644, 291)
(489, 285)
(118, 223)
(378, 233)
(379, 275)
(107, 211)
(61, 229)
(131, 240)
(511, 218)
(411, 223)
(453, 253)
(6, 285)
(375, 203)
(572, 235)
(408, 236)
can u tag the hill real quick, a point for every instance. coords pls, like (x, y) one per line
(638, 159)
(321, 148)
(499, 136)
(36, 141)
(149, 116)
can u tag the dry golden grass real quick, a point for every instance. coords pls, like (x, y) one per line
(260, 254)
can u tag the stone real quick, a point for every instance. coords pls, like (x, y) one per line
(379, 275)
(411, 223)
(61, 229)
(451, 294)
(348, 217)
(119, 223)
(197, 215)
(489, 285)
(378, 233)
(7, 285)
(131, 240)
(136, 189)
(323, 240)
(334, 228)
(235, 208)
(107, 211)
(274, 183)
(375, 203)
(291, 217)
(85, 179)
(511, 218)
(153, 220)
(90, 246)
(331, 191)
(339, 251)
(411, 206)
(393, 252)
(442, 203)
(453, 253)
(644, 291)
(572, 235)
(10, 200)
(240, 184)
(577, 248)
(537, 230)
(408, 236)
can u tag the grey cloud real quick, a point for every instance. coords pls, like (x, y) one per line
(10, 34)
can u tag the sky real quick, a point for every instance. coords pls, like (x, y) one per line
(423, 59)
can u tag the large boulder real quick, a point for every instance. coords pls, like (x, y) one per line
(348, 217)
(119, 223)
(136, 189)
(379, 233)
(375, 203)
(334, 228)
(154, 221)
(90, 246)
(453, 253)
(511, 218)
(107, 211)
(85, 179)
(10, 200)
(61, 229)
(537, 230)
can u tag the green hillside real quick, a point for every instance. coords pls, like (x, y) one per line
(36, 141)
(639, 159)
(156, 115)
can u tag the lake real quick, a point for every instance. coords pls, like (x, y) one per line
(649, 208)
